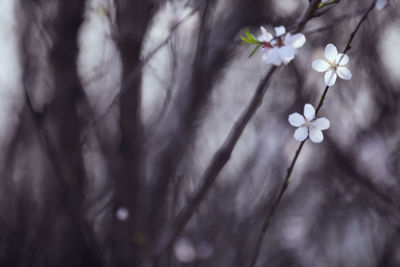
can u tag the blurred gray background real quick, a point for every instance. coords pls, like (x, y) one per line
(111, 111)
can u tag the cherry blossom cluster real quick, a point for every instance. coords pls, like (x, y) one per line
(281, 48)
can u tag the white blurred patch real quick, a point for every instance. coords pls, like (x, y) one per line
(229, 98)
(287, 7)
(122, 214)
(294, 231)
(10, 68)
(167, 18)
(184, 250)
(157, 74)
(373, 157)
(99, 63)
(389, 49)
(364, 106)
(10, 71)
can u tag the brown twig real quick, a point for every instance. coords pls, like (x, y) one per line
(286, 181)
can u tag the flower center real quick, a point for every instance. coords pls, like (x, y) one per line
(280, 42)
(307, 124)
(277, 42)
(333, 65)
(267, 45)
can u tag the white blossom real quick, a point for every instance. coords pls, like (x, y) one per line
(333, 66)
(380, 4)
(184, 250)
(281, 48)
(308, 125)
(122, 214)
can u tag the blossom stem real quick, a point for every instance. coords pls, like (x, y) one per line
(321, 101)
(353, 34)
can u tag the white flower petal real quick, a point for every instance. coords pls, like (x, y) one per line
(301, 133)
(286, 53)
(287, 39)
(342, 59)
(309, 112)
(380, 4)
(272, 57)
(296, 41)
(316, 135)
(320, 65)
(343, 73)
(265, 36)
(295, 119)
(279, 31)
(331, 52)
(321, 124)
(330, 78)
(263, 31)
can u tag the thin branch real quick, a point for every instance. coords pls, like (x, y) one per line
(169, 91)
(219, 160)
(271, 212)
(322, 100)
(335, 21)
(353, 34)
(308, 15)
(286, 181)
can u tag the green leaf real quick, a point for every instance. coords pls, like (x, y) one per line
(249, 35)
(244, 39)
(321, 5)
(249, 38)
